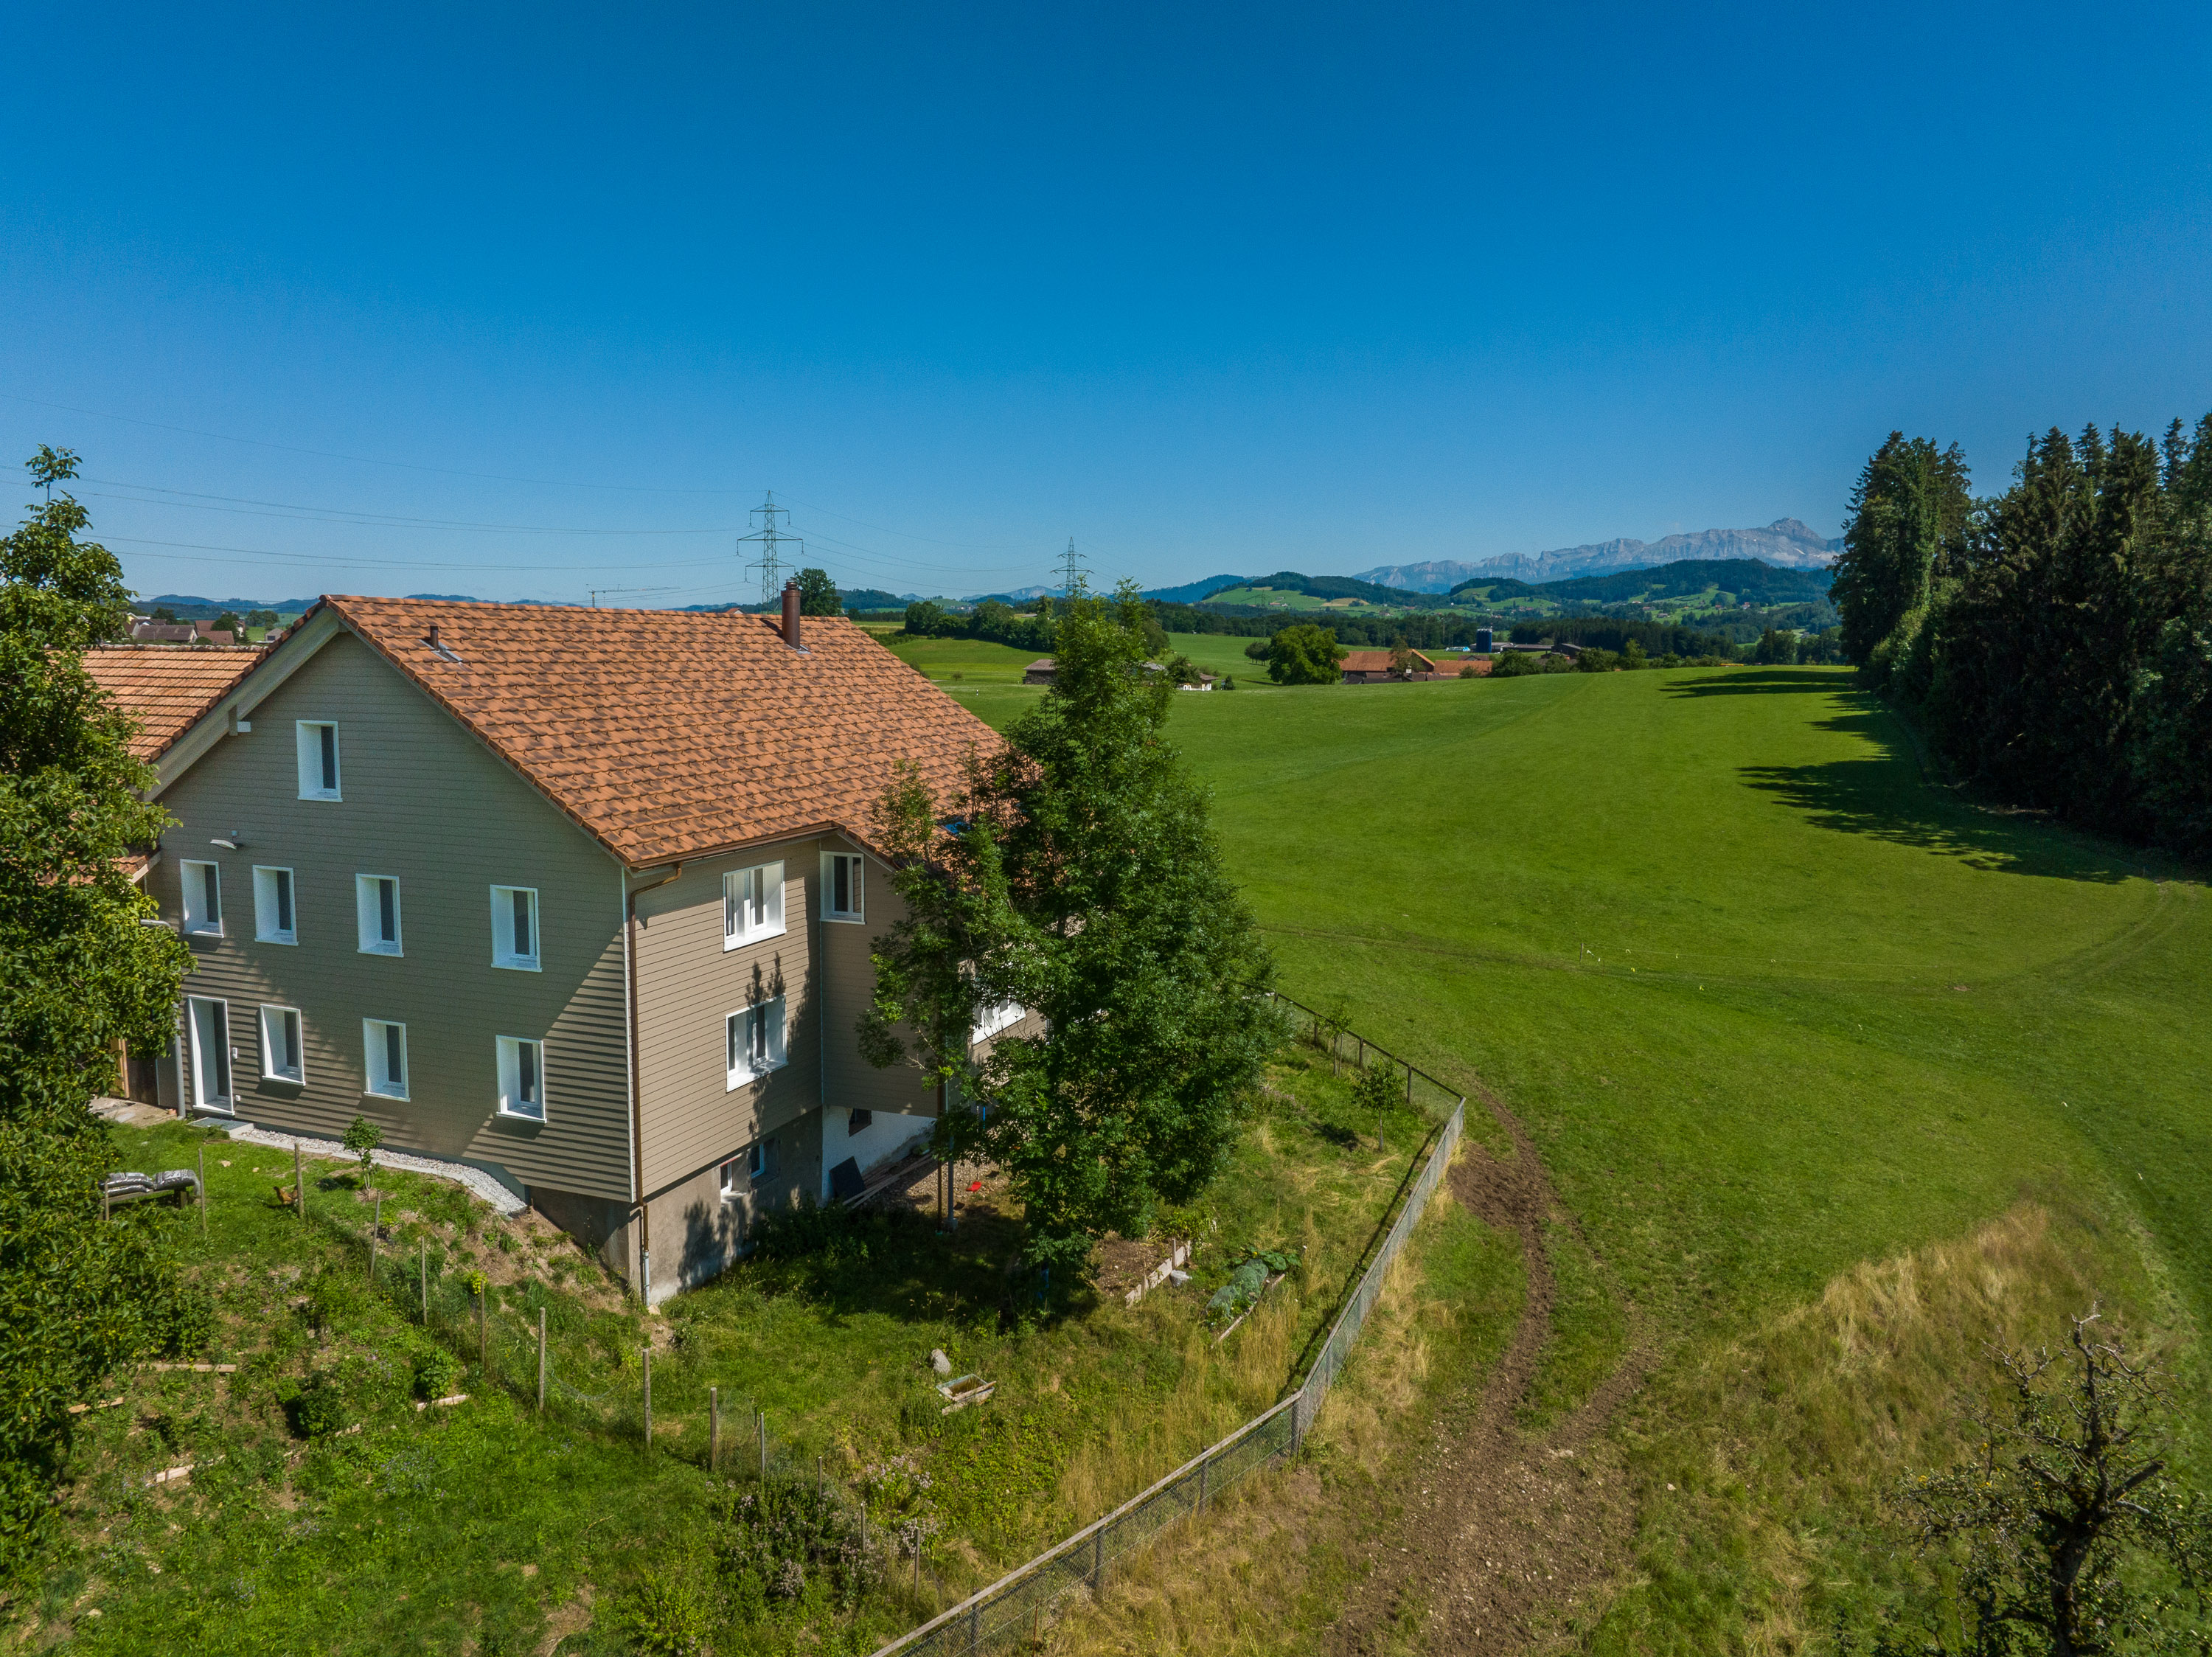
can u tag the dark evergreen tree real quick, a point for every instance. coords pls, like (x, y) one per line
(1910, 507)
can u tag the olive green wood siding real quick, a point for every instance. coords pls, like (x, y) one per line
(425, 802)
(687, 987)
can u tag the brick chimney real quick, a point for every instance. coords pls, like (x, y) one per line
(790, 615)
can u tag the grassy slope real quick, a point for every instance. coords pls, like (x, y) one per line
(976, 661)
(1826, 1013)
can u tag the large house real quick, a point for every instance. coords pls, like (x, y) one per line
(582, 899)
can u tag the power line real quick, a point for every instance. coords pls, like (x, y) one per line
(771, 539)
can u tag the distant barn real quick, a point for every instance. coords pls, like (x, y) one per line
(1373, 667)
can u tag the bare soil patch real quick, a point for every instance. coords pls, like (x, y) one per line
(1501, 1535)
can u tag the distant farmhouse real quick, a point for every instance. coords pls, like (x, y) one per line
(581, 899)
(1375, 667)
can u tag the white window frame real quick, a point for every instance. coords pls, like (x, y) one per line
(268, 911)
(375, 1051)
(210, 1043)
(272, 1029)
(857, 890)
(502, 929)
(761, 1159)
(310, 738)
(990, 1020)
(511, 1101)
(729, 1175)
(368, 915)
(752, 904)
(208, 877)
(759, 1025)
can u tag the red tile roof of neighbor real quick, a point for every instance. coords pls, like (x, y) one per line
(666, 734)
(167, 686)
(1378, 662)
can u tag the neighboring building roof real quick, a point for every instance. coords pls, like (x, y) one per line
(1378, 662)
(165, 688)
(164, 632)
(668, 734)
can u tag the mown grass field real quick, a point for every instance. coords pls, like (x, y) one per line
(1774, 1008)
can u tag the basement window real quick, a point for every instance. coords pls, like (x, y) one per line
(858, 1122)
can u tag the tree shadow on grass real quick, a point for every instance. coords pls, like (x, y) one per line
(1884, 796)
(1767, 681)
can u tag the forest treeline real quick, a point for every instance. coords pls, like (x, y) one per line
(2055, 641)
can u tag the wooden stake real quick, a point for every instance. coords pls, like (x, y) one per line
(541, 1360)
(713, 1427)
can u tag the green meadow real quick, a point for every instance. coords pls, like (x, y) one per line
(1775, 1006)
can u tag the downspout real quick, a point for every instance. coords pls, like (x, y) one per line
(638, 1211)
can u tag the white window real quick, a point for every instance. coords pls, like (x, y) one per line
(752, 904)
(319, 760)
(841, 896)
(732, 1172)
(202, 899)
(282, 1056)
(754, 1039)
(989, 1020)
(273, 921)
(376, 902)
(384, 1050)
(522, 1078)
(761, 1159)
(514, 926)
(208, 1023)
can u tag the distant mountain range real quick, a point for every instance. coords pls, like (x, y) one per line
(1787, 544)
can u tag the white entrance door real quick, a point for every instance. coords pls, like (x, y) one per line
(210, 1028)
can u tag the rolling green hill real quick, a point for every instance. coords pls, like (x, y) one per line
(1772, 1007)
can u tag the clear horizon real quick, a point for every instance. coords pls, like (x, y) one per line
(522, 304)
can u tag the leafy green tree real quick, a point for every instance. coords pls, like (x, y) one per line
(1079, 877)
(2044, 1532)
(228, 621)
(1632, 656)
(362, 1137)
(1776, 648)
(78, 972)
(161, 612)
(261, 619)
(1910, 509)
(1303, 654)
(926, 619)
(818, 594)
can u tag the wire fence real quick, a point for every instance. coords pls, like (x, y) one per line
(1019, 1604)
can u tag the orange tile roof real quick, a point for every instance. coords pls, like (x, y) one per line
(1378, 662)
(666, 734)
(165, 687)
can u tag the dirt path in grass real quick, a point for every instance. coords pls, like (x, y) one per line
(1502, 1534)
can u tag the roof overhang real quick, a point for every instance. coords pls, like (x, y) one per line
(235, 707)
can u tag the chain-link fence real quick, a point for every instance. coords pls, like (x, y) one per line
(1019, 1602)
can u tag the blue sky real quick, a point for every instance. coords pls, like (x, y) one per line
(1223, 287)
